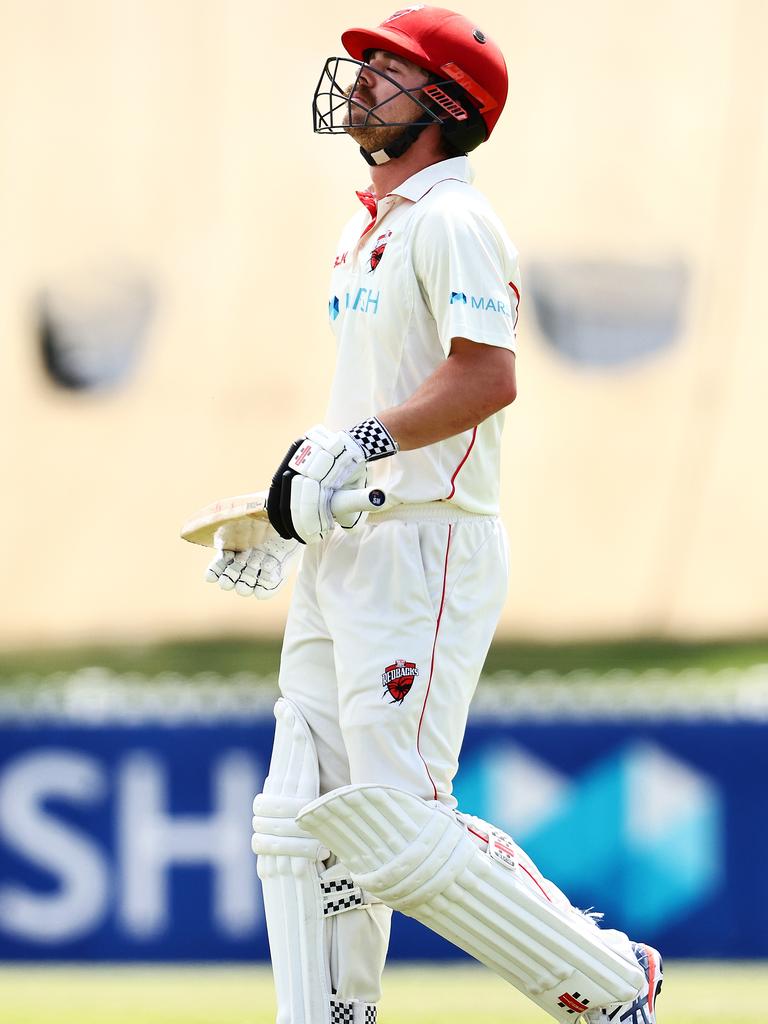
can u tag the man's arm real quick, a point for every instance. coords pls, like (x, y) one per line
(473, 383)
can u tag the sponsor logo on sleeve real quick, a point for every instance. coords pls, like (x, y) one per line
(486, 303)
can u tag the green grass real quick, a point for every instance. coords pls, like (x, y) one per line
(705, 993)
(232, 655)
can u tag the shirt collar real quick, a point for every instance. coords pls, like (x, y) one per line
(417, 186)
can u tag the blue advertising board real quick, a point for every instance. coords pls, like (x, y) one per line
(132, 842)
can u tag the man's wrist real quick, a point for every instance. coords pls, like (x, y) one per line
(374, 439)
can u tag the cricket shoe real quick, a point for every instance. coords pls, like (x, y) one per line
(642, 1009)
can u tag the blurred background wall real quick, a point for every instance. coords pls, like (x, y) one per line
(166, 207)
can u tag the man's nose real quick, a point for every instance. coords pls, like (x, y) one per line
(367, 76)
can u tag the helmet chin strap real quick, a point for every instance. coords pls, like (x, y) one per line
(395, 149)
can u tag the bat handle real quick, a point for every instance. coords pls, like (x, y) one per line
(363, 499)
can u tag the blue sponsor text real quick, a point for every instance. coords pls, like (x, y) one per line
(481, 302)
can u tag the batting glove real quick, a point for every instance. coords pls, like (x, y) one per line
(321, 462)
(258, 572)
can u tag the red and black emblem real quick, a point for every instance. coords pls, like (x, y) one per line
(378, 251)
(573, 1002)
(397, 679)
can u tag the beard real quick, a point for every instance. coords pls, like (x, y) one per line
(370, 136)
(373, 139)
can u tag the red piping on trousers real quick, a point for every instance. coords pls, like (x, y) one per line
(458, 468)
(432, 663)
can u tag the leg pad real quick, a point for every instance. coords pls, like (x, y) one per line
(328, 938)
(478, 891)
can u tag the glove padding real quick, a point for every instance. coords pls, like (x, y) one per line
(314, 467)
(258, 572)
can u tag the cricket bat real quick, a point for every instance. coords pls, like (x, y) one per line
(242, 520)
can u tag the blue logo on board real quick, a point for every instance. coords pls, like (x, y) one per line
(648, 827)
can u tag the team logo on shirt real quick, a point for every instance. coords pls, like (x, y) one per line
(378, 251)
(397, 679)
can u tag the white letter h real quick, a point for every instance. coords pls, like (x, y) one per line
(150, 841)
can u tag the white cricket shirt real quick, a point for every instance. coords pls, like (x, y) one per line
(430, 262)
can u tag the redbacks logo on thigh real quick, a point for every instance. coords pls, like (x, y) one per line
(397, 680)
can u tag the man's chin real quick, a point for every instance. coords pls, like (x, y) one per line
(373, 139)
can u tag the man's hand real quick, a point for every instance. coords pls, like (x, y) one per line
(314, 467)
(299, 500)
(258, 572)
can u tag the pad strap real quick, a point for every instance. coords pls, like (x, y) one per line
(352, 1013)
(340, 894)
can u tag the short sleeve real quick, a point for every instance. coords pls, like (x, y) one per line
(468, 274)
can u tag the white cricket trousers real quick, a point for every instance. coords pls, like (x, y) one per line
(385, 640)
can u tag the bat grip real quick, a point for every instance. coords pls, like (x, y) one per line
(362, 499)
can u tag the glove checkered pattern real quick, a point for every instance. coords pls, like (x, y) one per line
(339, 895)
(342, 1013)
(370, 1014)
(375, 440)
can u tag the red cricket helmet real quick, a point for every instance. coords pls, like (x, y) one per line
(448, 45)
